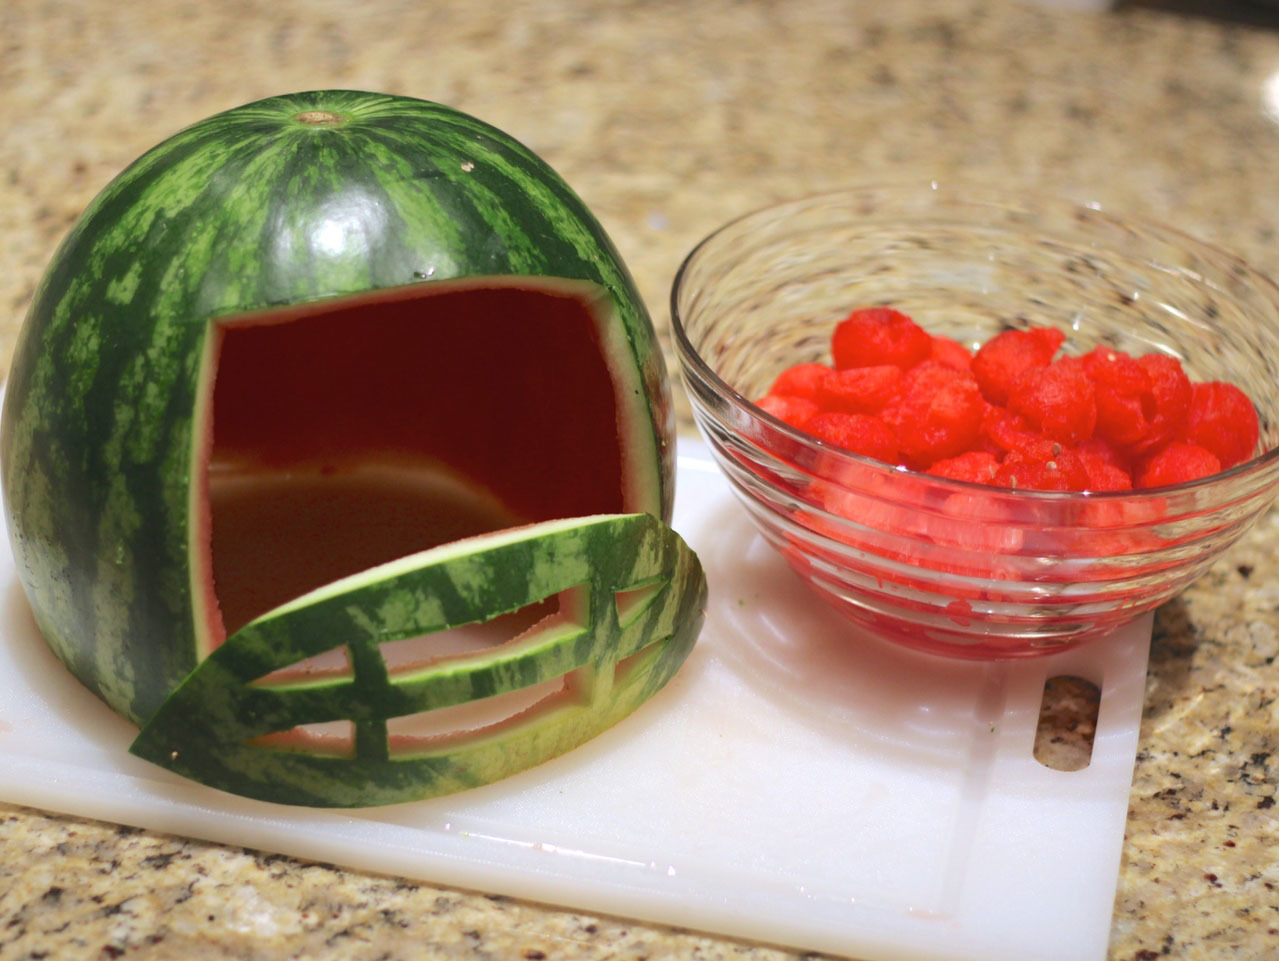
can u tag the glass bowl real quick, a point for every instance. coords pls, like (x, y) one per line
(946, 566)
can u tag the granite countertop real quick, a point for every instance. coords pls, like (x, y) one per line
(670, 118)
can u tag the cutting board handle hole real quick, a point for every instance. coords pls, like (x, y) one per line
(1067, 723)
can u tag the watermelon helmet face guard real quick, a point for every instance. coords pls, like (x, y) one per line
(623, 625)
(261, 350)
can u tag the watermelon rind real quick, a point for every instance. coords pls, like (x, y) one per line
(296, 199)
(209, 730)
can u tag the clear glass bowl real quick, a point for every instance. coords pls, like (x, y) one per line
(947, 566)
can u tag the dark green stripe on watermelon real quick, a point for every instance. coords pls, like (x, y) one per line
(207, 728)
(251, 209)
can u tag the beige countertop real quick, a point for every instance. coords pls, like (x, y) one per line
(669, 118)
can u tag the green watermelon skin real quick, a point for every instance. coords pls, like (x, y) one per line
(285, 201)
(206, 729)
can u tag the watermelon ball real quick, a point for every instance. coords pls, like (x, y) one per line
(1170, 392)
(860, 390)
(799, 380)
(1058, 400)
(974, 466)
(1106, 468)
(1222, 419)
(938, 416)
(1057, 470)
(1177, 463)
(1002, 430)
(1124, 394)
(860, 433)
(871, 336)
(796, 411)
(951, 352)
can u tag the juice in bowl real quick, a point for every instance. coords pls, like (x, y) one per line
(949, 558)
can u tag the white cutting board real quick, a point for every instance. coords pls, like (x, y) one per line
(796, 783)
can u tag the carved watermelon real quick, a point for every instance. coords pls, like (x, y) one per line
(316, 377)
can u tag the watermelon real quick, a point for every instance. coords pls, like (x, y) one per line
(327, 375)
(614, 576)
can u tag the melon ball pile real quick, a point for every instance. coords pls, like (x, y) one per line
(1016, 413)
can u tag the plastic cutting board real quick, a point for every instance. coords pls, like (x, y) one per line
(796, 783)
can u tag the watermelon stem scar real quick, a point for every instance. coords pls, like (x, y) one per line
(319, 117)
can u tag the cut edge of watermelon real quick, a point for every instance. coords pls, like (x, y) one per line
(637, 430)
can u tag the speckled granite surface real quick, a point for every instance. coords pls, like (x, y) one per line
(669, 118)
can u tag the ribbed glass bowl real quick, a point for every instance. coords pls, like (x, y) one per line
(947, 566)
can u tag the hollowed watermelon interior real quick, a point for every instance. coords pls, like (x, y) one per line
(349, 434)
